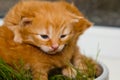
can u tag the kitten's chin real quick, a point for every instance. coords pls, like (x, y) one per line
(52, 52)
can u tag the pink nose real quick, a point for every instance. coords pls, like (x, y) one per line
(55, 47)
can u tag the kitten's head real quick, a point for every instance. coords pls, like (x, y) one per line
(51, 28)
(50, 37)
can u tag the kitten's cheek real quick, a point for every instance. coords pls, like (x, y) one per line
(45, 48)
(61, 47)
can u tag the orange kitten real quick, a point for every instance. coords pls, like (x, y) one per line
(44, 36)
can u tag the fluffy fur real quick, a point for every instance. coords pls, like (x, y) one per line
(25, 22)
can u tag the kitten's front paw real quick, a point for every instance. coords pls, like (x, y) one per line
(69, 72)
(39, 76)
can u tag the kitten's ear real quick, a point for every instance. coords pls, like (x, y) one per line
(16, 31)
(81, 25)
(26, 21)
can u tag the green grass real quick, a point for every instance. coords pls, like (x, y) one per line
(8, 73)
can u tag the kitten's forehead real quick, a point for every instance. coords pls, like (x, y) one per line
(43, 31)
(54, 30)
(46, 29)
(50, 30)
(52, 26)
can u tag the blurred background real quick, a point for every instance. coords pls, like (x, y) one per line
(101, 12)
(103, 37)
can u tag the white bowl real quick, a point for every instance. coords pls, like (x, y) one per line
(105, 73)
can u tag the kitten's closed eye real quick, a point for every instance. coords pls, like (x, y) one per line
(44, 36)
(63, 36)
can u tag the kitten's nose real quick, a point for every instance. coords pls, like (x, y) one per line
(55, 46)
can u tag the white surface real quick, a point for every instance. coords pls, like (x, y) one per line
(108, 41)
(1, 22)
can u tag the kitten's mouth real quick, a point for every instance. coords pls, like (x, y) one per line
(53, 52)
(49, 51)
(56, 51)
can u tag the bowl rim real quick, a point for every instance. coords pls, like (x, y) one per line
(105, 73)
